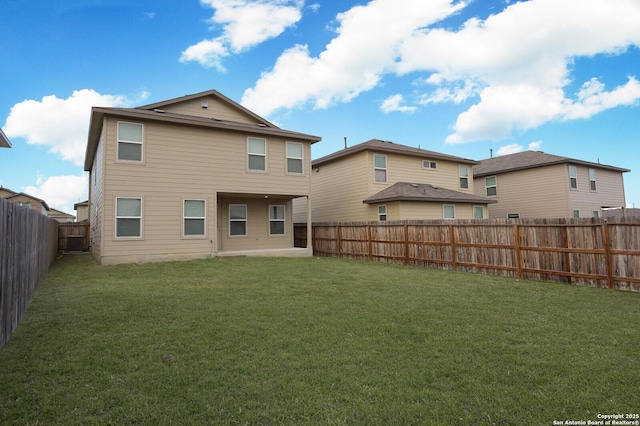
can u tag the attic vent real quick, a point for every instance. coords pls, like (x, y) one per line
(204, 104)
(159, 111)
(262, 125)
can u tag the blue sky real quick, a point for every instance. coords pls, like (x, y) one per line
(457, 77)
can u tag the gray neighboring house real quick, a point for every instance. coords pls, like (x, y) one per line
(533, 184)
(4, 141)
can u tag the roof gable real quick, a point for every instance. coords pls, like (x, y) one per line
(209, 104)
(529, 160)
(378, 145)
(404, 191)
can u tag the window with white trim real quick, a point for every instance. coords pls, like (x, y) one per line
(128, 217)
(194, 215)
(129, 141)
(426, 164)
(257, 154)
(449, 211)
(576, 214)
(382, 213)
(294, 157)
(592, 179)
(380, 167)
(238, 219)
(596, 214)
(490, 184)
(464, 176)
(276, 220)
(478, 212)
(573, 177)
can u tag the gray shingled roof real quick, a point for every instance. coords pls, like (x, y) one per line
(391, 147)
(404, 191)
(528, 160)
(4, 140)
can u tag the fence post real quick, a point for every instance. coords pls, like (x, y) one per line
(516, 237)
(339, 240)
(406, 244)
(454, 267)
(607, 251)
(369, 244)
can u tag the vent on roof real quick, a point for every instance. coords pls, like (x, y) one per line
(262, 125)
(159, 111)
(415, 185)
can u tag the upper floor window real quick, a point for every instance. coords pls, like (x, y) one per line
(194, 217)
(382, 212)
(294, 157)
(592, 179)
(449, 211)
(129, 141)
(257, 154)
(276, 220)
(426, 164)
(464, 176)
(491, 185)
(128, 217)
(237, 219)
(380, 167)
(573, 177)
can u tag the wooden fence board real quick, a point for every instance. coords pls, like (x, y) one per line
(587, 252)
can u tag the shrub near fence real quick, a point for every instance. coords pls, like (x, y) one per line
(590, 252)
(28, 247)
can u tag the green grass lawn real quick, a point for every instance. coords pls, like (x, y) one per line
(315, 341)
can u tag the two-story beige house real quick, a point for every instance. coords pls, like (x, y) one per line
(193, 177)
(381, 180)
(533, 184)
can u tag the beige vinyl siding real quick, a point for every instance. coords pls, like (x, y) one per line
(339, 187)
(404, 168)
(183, 162)
(533, 193)
(96, 205)
(216, 109)
(609, 191)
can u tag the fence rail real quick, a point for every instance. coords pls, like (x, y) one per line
(28, 247)
(590, 252)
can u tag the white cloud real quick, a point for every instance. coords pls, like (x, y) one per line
(515, 148)
(61, 192)
(515, 64)
(60, 124)
(245, 24)
(392, 104)
(365, 48)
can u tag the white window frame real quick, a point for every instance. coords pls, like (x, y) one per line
(444, 211)
(494, 186)
(377, 168)
(291, 157)
(592, 180)
(429, 165)
(117, 217)
(573, 177)
(382, 212)
(256, 154)
(245, 220)
(463, 173)
(185, 218)
(596, 214)
(481, 209)
(283, 220)
(120, 140)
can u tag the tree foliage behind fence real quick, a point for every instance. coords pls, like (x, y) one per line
(589, 252)
(28, 247)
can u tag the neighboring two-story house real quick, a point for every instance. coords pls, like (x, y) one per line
(533, 184)
(193, 177)
(25, 200)
(381, 180)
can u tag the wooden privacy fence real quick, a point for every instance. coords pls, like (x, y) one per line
(590, 252)
(73, 236)
(28, 247)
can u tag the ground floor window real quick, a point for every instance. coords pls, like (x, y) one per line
(194, 217)
(478, 212)
(238, 219)
(382, 212)
(276, 220)
(449, 211)
(128, 217)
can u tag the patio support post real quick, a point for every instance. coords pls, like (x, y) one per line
(309, 224)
